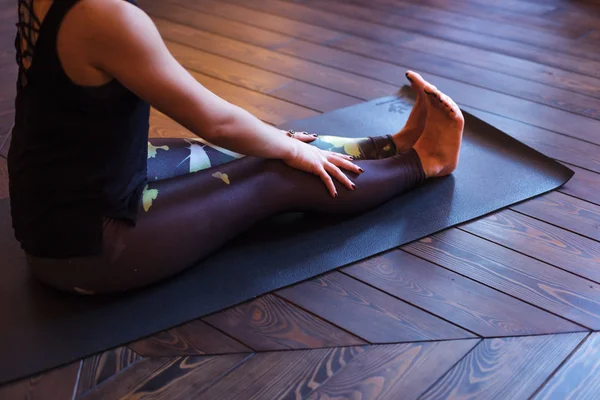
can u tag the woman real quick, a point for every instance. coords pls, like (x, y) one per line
(98, 208)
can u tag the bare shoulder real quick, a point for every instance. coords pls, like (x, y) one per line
(105, 18)
(109, 31)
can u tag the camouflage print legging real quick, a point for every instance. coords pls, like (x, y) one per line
(200, 196)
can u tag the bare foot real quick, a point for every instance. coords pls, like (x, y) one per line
(408, 136)
(439, 145)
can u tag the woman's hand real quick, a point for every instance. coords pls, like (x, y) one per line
(324, 164)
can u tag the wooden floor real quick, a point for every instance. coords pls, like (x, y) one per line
(500, 308)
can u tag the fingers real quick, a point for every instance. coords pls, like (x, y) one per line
(304, 137)
(337, 173)
(328, 182)
(343, 162)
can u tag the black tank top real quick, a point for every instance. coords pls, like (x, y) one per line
(78, 154)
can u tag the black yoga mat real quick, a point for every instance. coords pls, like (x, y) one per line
(42, 328)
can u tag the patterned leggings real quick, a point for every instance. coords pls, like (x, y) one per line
(200, 196)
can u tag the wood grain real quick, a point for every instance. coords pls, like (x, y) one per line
(262, 20)
(192, 338)
(167, 378)
(561, 147)
(464, 94)
(473, 42)
(163, 126)
(457, 70)
(487, 27)
(584, 184)
(431, 63)
(270, 323)
(543, 241)
(226, 69)
(367, 312)
(306, 71)
(527, 279)
(337, 20)
(577, 379)
(259, 80)
(469, 304)
(57, 384)
(399, 371)
(282, 374)
(100, 367)
(507, 368)
(534, 23)
(267, 108)
(560, 209)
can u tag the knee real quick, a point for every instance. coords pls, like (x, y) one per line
(60, 275)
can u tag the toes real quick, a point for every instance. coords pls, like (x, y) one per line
(416, 80)
(442, 101)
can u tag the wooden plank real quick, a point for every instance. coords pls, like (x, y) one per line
(568, 212)
(523, 110)
(360, 26)
(589, 17)
(262, 106)
(540, 240)
(447, 33)
(263, 20)
(100, 367)
(535, 23)
(527, 279)
(171, 378)
(193, 338)
(584, 185)
(226, 69)
(282, 64)
(368, 312)
(282, 374)
(400, 371)
(578, 377)
(259, 37)
(278, 86)
(515, 6)
(456, 69)
(476, 97)
(270, 323)
(560, 147)
(458, 19)
(57, 384)
(314, 97)
(455, 298)
(163, 126)
(508, 368)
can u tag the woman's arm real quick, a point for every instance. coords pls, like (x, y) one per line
(122, 41)
(119, 41)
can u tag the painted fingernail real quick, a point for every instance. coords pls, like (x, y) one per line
(353, 186)
(361, 170)
(315, 135)
(408, 77)
(306, 133)
(335, 194)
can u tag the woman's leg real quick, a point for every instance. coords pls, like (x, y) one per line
(168, 157)
(187, 217)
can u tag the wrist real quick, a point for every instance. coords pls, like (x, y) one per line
(291, 149)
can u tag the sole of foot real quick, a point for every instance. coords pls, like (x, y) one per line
(439, 145)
